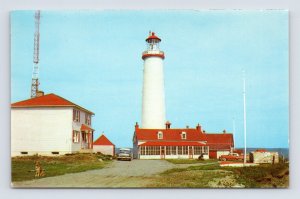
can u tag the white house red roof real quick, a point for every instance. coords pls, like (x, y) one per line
(102, 140)
(49, 100)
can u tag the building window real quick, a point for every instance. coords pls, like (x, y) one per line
(197, 150)
(143, 150)
(150, 150)
(183, 135)
(160, 135)
(76, 136)
(184, 150)
(205, 150)
(76, 115)
(88, 119)
(180, 150)
(171, 150)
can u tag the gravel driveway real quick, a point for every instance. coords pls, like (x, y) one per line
(136, 173)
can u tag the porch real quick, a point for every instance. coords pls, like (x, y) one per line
(173, 150)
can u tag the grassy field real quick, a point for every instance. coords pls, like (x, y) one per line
(23, 167)
(214, 176)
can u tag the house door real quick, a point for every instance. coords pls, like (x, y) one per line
(162, 152)
(191, 152)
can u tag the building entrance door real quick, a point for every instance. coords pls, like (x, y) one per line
(191, 152)
(162, 152)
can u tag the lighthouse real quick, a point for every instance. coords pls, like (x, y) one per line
(153, 105)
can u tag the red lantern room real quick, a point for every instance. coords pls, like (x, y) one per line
(153, 47)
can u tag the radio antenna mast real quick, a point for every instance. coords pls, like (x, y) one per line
(35, 72)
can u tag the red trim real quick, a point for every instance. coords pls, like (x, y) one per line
(153, 55)
(172, 144)
(153, 36)
(49, 100)
(102, 140)
(85, 127)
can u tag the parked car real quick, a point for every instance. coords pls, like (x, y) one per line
(124, 154)
(231, 156)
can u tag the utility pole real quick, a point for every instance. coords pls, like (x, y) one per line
(233, 133)
(35, 72)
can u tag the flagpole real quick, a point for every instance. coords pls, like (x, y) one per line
(233, 133)
(245, 124)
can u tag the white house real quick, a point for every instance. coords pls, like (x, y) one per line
(50, 125)
(103, 145)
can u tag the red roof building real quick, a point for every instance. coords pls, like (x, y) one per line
(50, 125)
(49, 100)
(104, 146)
(179, 143)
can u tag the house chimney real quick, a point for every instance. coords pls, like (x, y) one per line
(39, 93)
(224, 131)
(198, 127)
(168, 125)
(136, 126)
(187, 126)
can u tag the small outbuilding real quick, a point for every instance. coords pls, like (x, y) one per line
(219, 144)
(264, 156)
(104, 146)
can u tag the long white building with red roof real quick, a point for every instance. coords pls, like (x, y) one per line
(50, 125)
(185, 143)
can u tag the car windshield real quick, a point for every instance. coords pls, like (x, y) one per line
(125, 151)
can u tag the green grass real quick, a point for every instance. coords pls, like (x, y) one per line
(264, 175)
(23, 167)
(212, 175)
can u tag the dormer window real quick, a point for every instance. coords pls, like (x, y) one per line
(183, 135)
(160, 135)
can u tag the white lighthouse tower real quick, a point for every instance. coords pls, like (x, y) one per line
(153, 110)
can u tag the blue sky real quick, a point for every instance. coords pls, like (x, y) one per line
(93, 58)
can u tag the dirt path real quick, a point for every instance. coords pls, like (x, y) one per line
(136, 173)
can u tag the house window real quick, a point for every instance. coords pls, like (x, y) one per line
(76, 136)
(183, 135)
(143, 151)
(206, 149)
(184, 150)
(171, 150)
(159, 135)
(153, 150)
(76, 115)
(179, 150)
(88, 119)
(197, 150)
